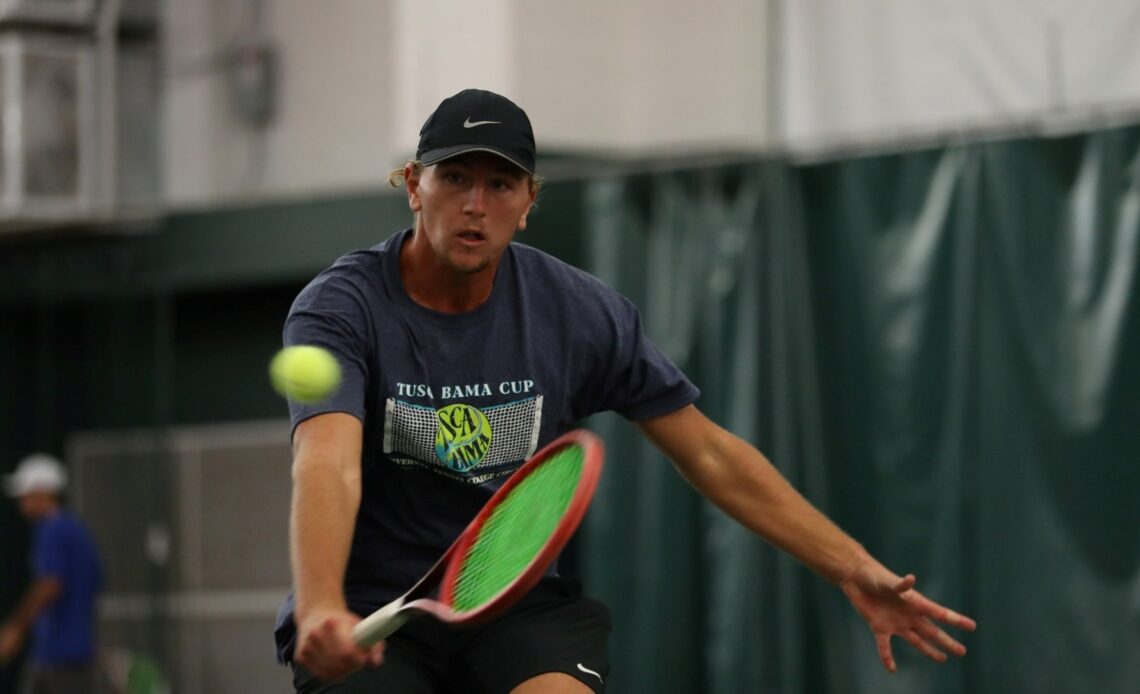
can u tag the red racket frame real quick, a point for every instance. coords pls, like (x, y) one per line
(417, 600)
(593, 453)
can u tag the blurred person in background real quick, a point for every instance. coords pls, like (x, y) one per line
(57, 611)
(451, 315)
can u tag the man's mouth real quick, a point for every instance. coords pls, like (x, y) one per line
(472, 236)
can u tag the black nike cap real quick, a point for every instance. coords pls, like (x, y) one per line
(475, 120)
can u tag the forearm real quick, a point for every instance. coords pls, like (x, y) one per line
(325, 502)
(745, 485)
(326, 498)
(40, 594)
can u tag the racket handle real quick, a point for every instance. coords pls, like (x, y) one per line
(380, 624)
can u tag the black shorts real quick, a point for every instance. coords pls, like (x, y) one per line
(552, 629)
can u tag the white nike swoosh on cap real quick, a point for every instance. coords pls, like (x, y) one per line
(468, 124)
(587, 670)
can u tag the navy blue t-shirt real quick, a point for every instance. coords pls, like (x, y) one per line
(64, 632)
(453, 403)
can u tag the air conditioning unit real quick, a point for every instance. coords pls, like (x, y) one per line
(73, 12)
(48, 126)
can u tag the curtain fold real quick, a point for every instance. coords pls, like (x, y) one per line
(941, 349)
(1059, 483)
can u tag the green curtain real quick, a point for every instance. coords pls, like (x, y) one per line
(1058, 481)
(942, 350)
(699, 604)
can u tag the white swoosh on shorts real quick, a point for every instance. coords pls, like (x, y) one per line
(587, 670)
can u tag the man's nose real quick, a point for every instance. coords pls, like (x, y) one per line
(475, 203)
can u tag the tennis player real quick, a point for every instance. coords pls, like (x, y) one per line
(463, 352)
(57, 610)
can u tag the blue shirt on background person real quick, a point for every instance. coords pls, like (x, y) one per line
(64, 632)
(57, 610)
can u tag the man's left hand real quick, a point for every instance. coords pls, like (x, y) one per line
(892, 607)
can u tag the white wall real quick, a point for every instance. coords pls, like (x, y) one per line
(627, 77)
(333, 121)
(646, 76)
(360, 77)
(198, 137)
(442, 47)
(882, 70)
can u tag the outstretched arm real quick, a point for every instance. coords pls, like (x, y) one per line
(326, 496)
(740, 480)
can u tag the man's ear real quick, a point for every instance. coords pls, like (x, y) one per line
(412, 183)
(529, 206)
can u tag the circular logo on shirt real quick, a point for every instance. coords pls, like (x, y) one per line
(462, 436)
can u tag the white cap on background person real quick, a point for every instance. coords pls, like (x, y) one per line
(38, 472)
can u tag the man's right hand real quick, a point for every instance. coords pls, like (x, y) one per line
(326, 648)
(11, 638)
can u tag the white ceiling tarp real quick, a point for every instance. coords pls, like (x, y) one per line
(888, 70)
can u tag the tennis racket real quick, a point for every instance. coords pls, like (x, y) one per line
(506, 549)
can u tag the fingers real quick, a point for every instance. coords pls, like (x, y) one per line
(376, 655)
(940, 638)
(956, 620)
(932, 610)
(927, 639)
(330, 665)
(891, 606)
(329, 652)
(883, 642)
(923, 647)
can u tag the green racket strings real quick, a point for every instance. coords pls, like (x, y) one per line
(517, 529)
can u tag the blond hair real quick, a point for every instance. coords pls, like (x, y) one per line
(396, 177)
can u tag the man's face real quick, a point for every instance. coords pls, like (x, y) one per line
(469, 208)
(35, 505)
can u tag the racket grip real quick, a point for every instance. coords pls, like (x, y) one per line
(380, 624)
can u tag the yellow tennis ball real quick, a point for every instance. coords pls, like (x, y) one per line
(305, 373)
